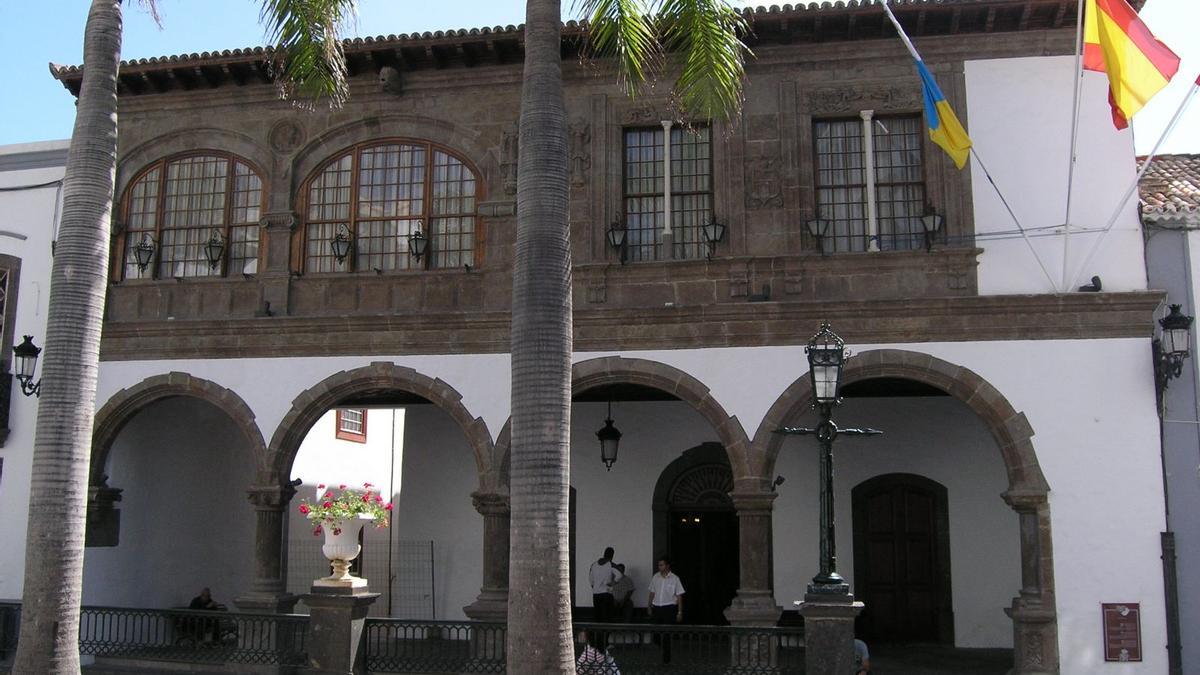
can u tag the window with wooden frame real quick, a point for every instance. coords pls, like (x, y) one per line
(841, 182)
(179, 204)
(644, 189)
(352, 424)
(377, 195)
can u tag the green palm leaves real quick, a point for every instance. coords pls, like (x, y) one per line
(309, 61)
(702, 39)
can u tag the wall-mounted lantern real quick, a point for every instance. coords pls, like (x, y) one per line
(713, 232)
(340, 244)
(818, 228)
(214, 249)
(143, 252)
(26, 359)
(616, 237)
(418, 243)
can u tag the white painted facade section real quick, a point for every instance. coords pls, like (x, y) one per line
(1019, 118)
(27, 229)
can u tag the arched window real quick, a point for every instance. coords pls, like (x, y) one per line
(180, 205)
(376, 196)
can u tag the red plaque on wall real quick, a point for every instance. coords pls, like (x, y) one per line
(1122, 631)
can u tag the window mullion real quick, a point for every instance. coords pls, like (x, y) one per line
(427, 212)
(869, 174)
(353, 210)
(160, 219)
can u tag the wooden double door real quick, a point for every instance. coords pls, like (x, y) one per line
(902, 560)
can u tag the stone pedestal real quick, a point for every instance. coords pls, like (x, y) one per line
(829, 632)
(335, 629)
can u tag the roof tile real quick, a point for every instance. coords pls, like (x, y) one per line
(1171, 186)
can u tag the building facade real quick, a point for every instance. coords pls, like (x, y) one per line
(1018, 484)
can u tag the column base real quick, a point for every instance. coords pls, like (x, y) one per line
(1035, 637)
(491, 606)
(753, 609)
(829, 632)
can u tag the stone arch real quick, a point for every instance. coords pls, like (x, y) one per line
(466, 142)
(606, 370)
(1035, 627)
(308, 407)
(123, 405)
(131, 163)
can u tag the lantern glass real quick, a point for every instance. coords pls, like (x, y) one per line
(616, 234)
(610, 440)
(143, 253)
(826, 355)
(818, 227)
(214, 249)
(340, 245)
(418, 243)
(1176, 332)
(931, 222)
(713, 231)
(1175, 341)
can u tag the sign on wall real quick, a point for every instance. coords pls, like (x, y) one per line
(1122, 631)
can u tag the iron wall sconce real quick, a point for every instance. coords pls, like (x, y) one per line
(931, 223)
(340, 244)
(143, 253)
(818, 228)
(1172, 347)
(616, 238)
(713, 232)
(214, 250)
(26, 355)
(418, 243)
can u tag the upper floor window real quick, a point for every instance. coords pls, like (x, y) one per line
(842, 195)
(691, 192)
(180, 205)
(352, 424)
(377, 195)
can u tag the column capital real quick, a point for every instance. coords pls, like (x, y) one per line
(1024, 501)
(490, 503)
(279, 220)
(750, 502)
(270, 497)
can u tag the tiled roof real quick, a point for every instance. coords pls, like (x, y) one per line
(1171, 187)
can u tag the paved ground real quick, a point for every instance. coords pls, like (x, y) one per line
(938, 660)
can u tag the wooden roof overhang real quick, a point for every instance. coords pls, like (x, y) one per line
(470, 48)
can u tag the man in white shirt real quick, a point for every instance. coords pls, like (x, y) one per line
(602, 576)
(666, 601)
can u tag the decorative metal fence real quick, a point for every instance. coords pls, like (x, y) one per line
(445, 647)
(187, 636)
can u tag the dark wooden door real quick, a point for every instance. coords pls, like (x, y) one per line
(901, 560)
(704, 553)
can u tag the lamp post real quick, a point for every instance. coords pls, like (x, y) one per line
(826, 356)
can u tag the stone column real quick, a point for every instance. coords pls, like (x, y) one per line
(268, 592)
(274, 274)
(1035, 621)
(754, 604)
(335, 629)
(829, 632)
(492, 603)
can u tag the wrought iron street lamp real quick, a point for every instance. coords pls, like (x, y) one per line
(610, 441)
(1172, 346)
(826, 357)
(418, 243)
(26, 355)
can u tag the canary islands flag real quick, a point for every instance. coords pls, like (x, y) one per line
(944, 127)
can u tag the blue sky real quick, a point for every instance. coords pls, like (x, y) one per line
(38, 108)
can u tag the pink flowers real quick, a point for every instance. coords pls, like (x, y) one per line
(317, 531)
(333, 510)
(321, 486)
(342, 486)
(337, 531)
(327, 505)
(368, 485)
(304, 508)
(388, 507)
(378, 499)
(367, 497)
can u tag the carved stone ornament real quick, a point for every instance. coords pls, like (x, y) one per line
(509, 146)
(389, 81)
(842, 99)
(581, 155)
(763, 188)
(642, 114)
(286, 136)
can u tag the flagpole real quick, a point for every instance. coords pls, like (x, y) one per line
(903, 36)
(1141, 172)
(1074, 144)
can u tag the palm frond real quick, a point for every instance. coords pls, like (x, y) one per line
(707, 35)
(625, 31)
(309, 63)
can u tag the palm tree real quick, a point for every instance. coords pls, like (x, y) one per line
(48, 641)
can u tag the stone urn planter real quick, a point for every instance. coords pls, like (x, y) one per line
(341, 547)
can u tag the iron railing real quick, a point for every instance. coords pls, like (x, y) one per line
(180, 635)
(394, 646)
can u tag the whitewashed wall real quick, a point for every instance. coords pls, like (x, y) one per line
(30, 213)
(1019, 118)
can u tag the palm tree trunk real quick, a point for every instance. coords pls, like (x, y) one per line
(49, 639)
(539, 604)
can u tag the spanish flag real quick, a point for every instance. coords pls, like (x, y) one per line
(1115, 41)
(944, 127)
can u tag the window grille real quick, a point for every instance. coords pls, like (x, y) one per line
(899, 182)
(179, 203)
(691, 192)
(380, 194)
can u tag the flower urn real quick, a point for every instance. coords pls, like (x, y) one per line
(341, 547)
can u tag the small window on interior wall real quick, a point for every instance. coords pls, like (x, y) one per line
(352, 425)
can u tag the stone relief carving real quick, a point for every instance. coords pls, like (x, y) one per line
(840, 99)
(389, 81)
(763, 187)
(508, 160)
(286, 136)
(642, 114)
(581, 155)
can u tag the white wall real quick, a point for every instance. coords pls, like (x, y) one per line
(1019, 118)
(186, 521)
(29, 213)
(325, 459)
